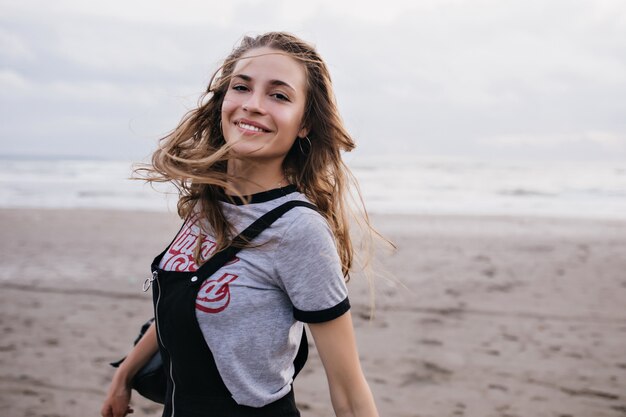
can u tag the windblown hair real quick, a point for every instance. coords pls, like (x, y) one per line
(194, 155)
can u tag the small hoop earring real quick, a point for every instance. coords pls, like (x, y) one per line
(300, 145)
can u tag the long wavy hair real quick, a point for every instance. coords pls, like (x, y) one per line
(194, 155)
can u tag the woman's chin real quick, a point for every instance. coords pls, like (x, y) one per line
(248, 150)
(256, 151)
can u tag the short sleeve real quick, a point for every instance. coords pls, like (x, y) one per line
(309, 270)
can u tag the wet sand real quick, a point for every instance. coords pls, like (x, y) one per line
(494, 316)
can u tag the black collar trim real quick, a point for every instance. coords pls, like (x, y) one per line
(261, 197)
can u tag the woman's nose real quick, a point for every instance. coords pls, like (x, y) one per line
(254, 103)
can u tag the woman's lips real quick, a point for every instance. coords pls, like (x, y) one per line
(251, 127)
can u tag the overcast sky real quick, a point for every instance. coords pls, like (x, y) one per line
(488, 78)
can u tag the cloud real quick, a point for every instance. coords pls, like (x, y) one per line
(21, 89)
(425, 76)
(13, 48)
(138, 11)
(12, 84)
(605, 139)
(115, 48)
(609, 140)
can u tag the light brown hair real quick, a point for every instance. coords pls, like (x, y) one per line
(194, 155)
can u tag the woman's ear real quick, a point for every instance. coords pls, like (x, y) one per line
(303, 132)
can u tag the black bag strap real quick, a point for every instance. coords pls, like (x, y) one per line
(220, 258)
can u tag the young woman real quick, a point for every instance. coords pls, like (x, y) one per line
(267, 131)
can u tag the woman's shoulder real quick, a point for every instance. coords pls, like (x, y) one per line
(305, 225)
(304, 217)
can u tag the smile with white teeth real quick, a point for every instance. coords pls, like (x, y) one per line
(250, 127)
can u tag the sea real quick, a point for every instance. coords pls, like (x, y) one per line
(389, 185)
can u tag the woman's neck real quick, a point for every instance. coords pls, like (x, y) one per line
(251, 178)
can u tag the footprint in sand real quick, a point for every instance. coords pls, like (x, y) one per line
(430, 373)
(7, 348)
(304, 406)
(498, 387)
(380, 381)
(51, 342)
(431, 321)
(510, 337)
(431, 342)
(583, 252)
(453, 292)
(586, 392)
(489, 272)
(459, 409)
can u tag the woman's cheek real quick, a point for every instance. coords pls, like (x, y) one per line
(228, 105)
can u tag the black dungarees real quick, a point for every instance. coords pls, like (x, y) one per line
(195, 387)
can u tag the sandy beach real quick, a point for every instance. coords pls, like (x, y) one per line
(486, 316)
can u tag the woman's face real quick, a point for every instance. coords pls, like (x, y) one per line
(263, 107)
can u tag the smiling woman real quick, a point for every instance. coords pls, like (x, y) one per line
(261, 152)
(263, 110)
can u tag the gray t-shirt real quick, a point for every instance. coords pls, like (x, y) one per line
(251, 310)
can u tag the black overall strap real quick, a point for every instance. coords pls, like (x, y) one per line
(220, 258)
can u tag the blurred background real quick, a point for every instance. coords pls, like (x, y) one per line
(491, 149)
(511, 106)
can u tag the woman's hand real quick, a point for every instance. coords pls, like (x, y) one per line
(336, 345)
(118, 397)
(116, 403)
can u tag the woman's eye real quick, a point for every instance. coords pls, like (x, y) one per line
(240, 87)
(280, 96)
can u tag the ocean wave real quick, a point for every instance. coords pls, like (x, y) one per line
(389, 185)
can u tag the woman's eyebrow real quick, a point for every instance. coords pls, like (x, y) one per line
(247, 78)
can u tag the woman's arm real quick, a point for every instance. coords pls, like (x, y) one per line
(336, 345)
(118, 397)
